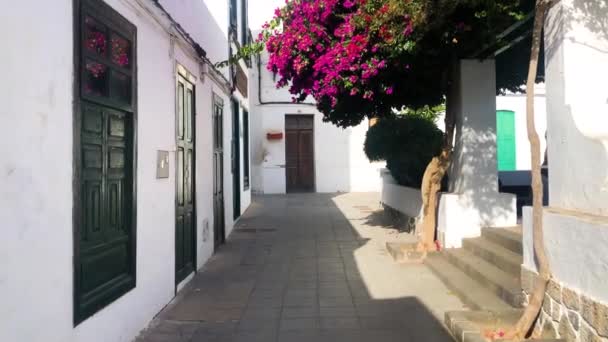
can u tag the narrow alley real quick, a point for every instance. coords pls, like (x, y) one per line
(308, 267)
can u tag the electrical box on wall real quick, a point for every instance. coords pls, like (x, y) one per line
(162, 164)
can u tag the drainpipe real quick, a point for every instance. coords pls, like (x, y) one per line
(274, 102)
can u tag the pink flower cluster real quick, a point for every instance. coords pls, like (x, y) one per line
(328, 48)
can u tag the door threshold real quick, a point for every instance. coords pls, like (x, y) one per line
(184, 282)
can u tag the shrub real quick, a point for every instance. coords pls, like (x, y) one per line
(407, 143)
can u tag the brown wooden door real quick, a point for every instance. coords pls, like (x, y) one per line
(299, 153)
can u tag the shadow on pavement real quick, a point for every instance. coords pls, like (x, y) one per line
(292, 271)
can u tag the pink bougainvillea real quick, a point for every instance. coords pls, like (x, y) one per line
(326, 48)
(365, 58)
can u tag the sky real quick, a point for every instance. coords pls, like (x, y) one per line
(261, 11)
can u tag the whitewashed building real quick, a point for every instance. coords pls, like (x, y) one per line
(124, 159)
(293, 150)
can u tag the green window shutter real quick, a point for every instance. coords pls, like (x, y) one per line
(506, 145)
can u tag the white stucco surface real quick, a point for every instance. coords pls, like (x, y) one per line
(206, 21)
(576, 249)
(404, 199)
(576, 67)
(473, 200)
(36, 174)
(340, 163)
(575, 225)
(460, 218)
(36, 282)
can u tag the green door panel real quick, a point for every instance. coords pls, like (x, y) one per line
(185, 228)
(105, 247)
(506, 144)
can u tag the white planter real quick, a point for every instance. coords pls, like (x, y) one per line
(401, 198)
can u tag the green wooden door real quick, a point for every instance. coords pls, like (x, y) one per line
(506, 145)
(185, 225)
(105, 169)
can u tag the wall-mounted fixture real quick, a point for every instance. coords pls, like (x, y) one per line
(162, 164)
(274, 135)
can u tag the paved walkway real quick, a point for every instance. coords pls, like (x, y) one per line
(308, 267)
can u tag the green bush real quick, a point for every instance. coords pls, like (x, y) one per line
(407, 143)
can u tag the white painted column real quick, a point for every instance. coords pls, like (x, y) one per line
(473, 201)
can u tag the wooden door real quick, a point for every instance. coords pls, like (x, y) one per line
(236, 160)
(219, 225)
(185, 225)
(506, 143)
(299, 153)
(105, 119)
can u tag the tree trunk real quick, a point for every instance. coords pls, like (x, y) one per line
(431, 185)
(532, 311)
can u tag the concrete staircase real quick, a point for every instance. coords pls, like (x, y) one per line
(485, 273)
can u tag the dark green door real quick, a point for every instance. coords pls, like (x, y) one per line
(219, 227)
(104, 147)
(185, 231)
(506, 144)
(236, 161)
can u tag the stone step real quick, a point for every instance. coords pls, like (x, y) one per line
(495, 254)
(509, 238)
(504, 285)
(403, 251)
(471, 326)
(473, 294)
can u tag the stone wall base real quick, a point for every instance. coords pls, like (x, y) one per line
(568, 314)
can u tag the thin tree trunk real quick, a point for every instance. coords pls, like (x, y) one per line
(532, 311)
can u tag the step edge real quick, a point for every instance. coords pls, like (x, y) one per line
(496, 250)
(504, 239)
(509, 278)
(461, 293)
(508, 288)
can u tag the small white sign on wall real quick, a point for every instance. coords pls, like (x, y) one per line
(162, 164)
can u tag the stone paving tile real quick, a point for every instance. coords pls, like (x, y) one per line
(311, 270)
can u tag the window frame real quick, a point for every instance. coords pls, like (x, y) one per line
(233, 17)
(114, 22)
(244, 23)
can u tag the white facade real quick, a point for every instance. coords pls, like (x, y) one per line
(576, 221)
(340, 163)
(36, 169)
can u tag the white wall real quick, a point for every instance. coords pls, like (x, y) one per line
(206, 21)
(575, 225)
(36, 173)
(517, 103)
(576, 70)
(340, 163)
(36, 176)
(402, 198)
(576, 248)
(473, 200)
